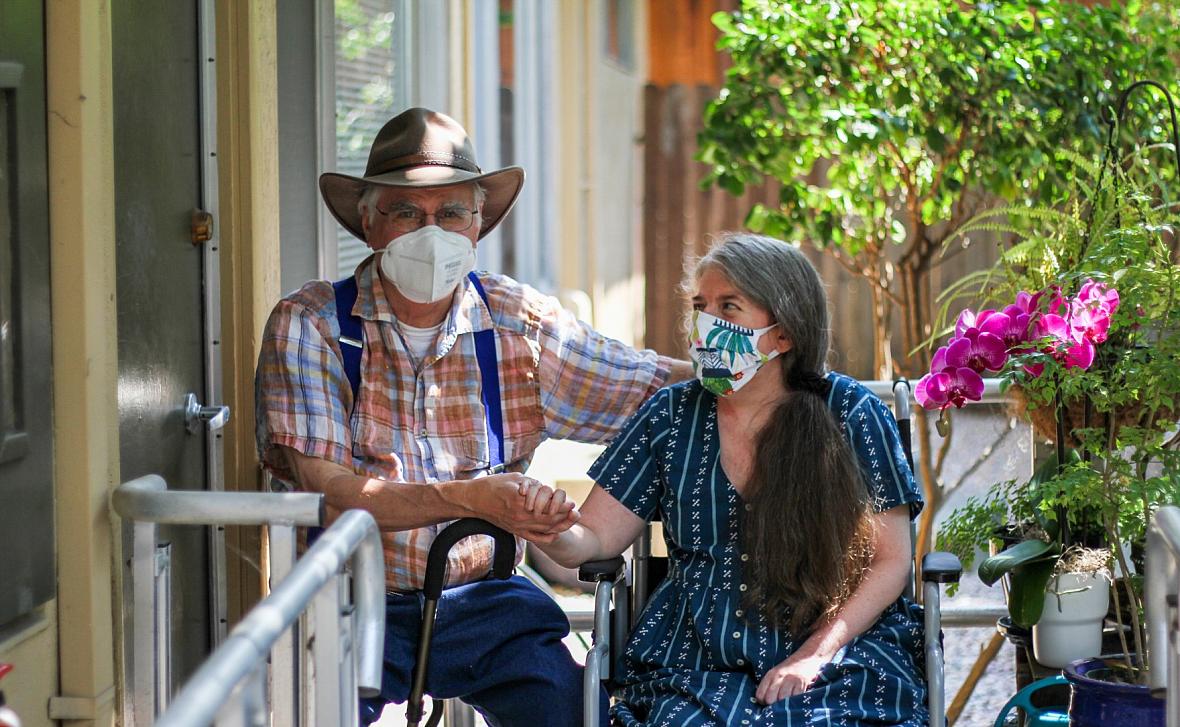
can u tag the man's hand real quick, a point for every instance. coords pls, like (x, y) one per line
(791, 677)
(521, 505)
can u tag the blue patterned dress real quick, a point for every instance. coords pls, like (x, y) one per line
(694, 658)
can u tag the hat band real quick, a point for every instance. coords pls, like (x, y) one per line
(437, 159)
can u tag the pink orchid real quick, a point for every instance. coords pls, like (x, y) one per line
(1091, 311)
(1072, 350)
(949, 387)
(970, 320)
(1026, 302)
(1098, 293)
(1089, 323)
(1010, 325)
(977, 350)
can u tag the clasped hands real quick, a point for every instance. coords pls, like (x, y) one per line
(525, 507)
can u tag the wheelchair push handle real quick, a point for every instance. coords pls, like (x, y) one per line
(503, 559)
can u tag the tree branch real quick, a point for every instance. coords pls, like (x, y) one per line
(951, 153)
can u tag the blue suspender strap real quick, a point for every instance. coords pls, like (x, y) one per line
(352, 334)
(489, 391)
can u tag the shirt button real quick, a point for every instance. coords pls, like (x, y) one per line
(737, 634)
(742, 587)
(422, 433)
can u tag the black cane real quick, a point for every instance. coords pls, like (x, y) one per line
(503, 560)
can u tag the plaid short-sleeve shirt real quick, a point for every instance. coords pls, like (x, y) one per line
(422, 421)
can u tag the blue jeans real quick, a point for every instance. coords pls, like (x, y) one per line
(497, 646)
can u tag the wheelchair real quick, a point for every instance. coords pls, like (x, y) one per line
(620, 595)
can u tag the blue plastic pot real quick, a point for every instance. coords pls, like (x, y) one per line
(1097, 703)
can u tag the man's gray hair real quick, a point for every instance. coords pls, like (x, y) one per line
(367, 204)
(778, 277)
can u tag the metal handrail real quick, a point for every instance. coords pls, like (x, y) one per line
(1161, 589)
(148, 499)
(353, 537)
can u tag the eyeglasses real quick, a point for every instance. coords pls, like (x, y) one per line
(407, 218)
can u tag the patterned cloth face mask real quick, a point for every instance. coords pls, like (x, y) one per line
(724, 355)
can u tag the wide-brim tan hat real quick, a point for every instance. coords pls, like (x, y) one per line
(420, 148)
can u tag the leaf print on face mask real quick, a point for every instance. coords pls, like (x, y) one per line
(731, 338)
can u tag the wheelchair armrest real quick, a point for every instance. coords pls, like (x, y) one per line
(601, 570)
(940, 567)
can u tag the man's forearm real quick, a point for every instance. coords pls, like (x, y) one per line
(394, 505)
(677, 370)
(498, 498)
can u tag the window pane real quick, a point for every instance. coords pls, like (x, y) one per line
(368, 92)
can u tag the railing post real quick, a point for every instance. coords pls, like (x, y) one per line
(346, 620)
(285, 657)
(162, 578)
(324, 685)
(1160, 596)
(144, 666)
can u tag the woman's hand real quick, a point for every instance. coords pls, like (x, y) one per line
(793, 676)
(542, 500)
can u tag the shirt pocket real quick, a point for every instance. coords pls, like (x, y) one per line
(475, 452)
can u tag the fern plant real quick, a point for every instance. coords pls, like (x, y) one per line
(1116, 416)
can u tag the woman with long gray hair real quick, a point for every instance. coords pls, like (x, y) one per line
(786, 501)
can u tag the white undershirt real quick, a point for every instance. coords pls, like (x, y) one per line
(420, 341)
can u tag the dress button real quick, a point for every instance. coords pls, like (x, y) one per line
(749, 507)
(737, 634)
(742, 587)
(739, 613)
(741, 662)
(745, 557)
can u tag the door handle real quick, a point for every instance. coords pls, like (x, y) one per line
(214, 417)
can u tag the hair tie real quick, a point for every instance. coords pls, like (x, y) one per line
(810, 382)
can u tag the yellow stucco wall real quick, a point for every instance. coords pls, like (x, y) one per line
(67, 654)
(33, 652)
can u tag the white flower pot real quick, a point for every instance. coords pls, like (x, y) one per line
(1071, 624)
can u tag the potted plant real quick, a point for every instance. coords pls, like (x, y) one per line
(1082, 317)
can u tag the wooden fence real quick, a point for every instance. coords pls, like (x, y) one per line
(679, 217)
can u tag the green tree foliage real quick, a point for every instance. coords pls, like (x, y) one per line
(888, 124)
(876, 117)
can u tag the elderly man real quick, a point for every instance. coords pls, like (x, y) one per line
(418, 390)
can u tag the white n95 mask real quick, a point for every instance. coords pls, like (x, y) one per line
(428, 263)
